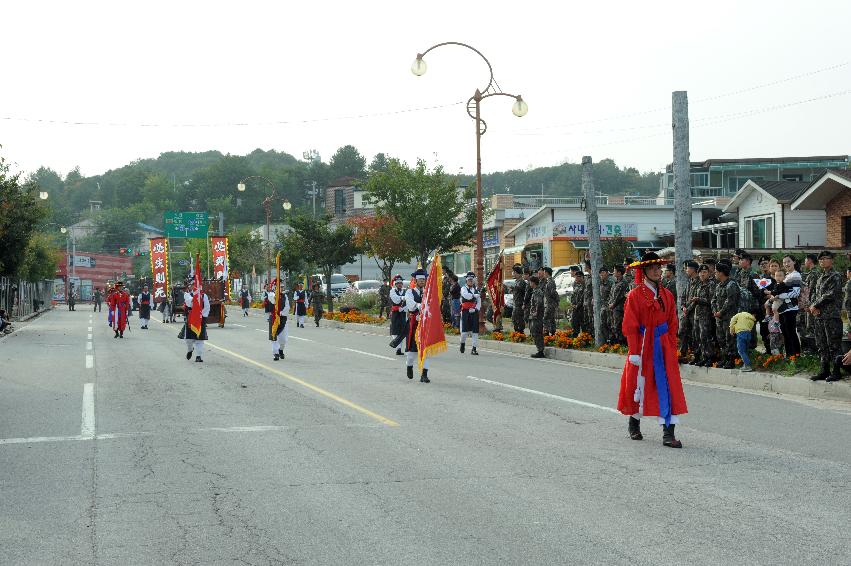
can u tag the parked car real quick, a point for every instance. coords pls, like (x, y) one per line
(564, 283)
(507, 288)
(339, 283)
(367, 286)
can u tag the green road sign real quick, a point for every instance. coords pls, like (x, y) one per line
(185, 224)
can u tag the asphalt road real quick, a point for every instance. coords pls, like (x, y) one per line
(122, 452)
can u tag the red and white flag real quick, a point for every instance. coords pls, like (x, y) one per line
(430, 337)
(495, 290)
(196, 316)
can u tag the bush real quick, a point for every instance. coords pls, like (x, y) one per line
(363, 302)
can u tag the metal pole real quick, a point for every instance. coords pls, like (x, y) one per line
(480, 246)
(314, 199)
(68, 266)
(221, 224)
(267, 204)
(682, 191)
(594, 246)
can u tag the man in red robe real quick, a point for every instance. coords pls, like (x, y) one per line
(650, 383)
(119, 305)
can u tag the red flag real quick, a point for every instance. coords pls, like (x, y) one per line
(495, 289)
(430, 337)
(276, 312)
(196, 316)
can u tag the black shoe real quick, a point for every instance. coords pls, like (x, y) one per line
(281, 353)
(198, 359)
(836, 374)
(538, 355)
(424, 377)
(473, 352)
(400, 353)
(116, 334)
(317, 324)
(121, 335)
(824, 373)
(728, 365)
(410, 372)
(668, 438)
(189, 355)
(695, 362)
(276, 357)
(635, 429)
(462, 347)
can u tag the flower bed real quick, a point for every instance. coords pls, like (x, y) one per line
(354, 316)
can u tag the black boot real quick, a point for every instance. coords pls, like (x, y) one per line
(824, 373)
(276, 357)
(410, 372)
(668, 438)
(462, 347)
(116, 334)
(473, 352)
(836, 374)
(635, 429)
(399, 352)
(424, 377)
(198, 359)
(189, 355)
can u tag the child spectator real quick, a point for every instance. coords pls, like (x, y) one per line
(741, 326)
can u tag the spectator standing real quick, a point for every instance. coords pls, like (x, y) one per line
(616, 300)
(704, 323)
(825, 305)
(725, 307)
(688, 332)
(536, 317)
(577, 314)
(384, 299)
(741, 326)
(805, 322)
(518, 293)
(97, 299)
(669, 279)
(455, 293)
(548, 288)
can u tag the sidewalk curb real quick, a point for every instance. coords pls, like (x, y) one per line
(754, 381)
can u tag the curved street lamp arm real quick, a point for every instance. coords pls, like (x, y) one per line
(271, 184)
(471, 48)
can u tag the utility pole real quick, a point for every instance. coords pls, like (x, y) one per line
(682, 191)
(221, 224)
(593, 244)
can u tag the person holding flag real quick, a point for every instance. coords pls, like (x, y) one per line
(279, 307)
(413, 306)
(471, 305)
(300, 302)
(197, 306)
(429, 338)
(397, 302)
(144, 299)
(119, 308)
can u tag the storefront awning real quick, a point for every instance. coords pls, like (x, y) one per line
(513, 250)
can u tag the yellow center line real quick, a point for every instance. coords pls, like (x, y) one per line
(314, 388)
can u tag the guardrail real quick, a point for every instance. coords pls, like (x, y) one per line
(21, 298)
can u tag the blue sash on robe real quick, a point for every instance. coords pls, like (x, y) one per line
(660, 375)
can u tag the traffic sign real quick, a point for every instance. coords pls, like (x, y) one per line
(185, 224)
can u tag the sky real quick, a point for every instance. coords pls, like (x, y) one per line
(99, 84)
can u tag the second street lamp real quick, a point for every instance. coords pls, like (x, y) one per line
(519, 109)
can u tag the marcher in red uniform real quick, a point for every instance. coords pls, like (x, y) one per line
(650, 383)
(119, 304)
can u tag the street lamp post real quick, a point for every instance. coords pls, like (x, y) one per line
(520, 108)
(267, 207)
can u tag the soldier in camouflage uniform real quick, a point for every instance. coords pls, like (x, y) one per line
(518, 319)
(548, 288)
(527, 300)
(605, 313)
(577, 314)
(805, 320)
(725, 306)
(688, 332)
(846, 294)
(536, 316)
(615, 303)
(745, 276)
(703, 322)
(825, 304)
(588, 303)
(669, 279)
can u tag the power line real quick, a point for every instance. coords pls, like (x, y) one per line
(230, 124)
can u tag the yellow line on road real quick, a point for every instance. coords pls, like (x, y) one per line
(314, 388)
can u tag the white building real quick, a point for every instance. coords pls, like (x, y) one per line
(766, 219)
(558, 235)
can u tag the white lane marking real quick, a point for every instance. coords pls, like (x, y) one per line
(90, 361)
(302, 339)
(548, 395)
(368, 354)
(88, 345)
(88, 337)
(239, 325)
(259, 330)
(89, 329)
(277, 428)
(87, 429)
(40, 439)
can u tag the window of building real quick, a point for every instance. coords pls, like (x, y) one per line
(846, 231)
(699, 179)
(736, 183)
(759, 232)
(793, 177)
(339, 201)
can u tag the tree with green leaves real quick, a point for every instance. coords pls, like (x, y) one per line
(431, 212)
(324, 245)
(20, 213)
(40, 258)
(615, 250)
(379, 237)
(378, 164)
(348, 162)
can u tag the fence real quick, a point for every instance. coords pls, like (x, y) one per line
(21, 298)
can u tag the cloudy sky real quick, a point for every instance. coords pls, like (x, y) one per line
(98, 84)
